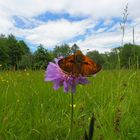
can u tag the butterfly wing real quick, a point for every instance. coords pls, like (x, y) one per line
(89, 67)
(86, 67)
(67, 64)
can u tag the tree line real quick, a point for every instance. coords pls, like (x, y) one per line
(16, 55)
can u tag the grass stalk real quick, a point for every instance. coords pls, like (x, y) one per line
(72, 111)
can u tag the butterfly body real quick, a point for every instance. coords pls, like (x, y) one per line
(79, 64)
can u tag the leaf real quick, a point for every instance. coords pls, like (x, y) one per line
(86, 136)
(91, 128)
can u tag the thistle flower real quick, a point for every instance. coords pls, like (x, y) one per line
(55, 74)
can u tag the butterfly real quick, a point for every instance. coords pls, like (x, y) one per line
(79, 64)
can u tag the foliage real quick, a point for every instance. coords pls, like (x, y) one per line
(130, 56)
(14, 51)
(95, 56)
(62, 50)
(11, 51)
(26, 62)
(74, 48)
(41, 58)
(15, 54)
(127, 56)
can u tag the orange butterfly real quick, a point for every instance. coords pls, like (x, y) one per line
(79, 64)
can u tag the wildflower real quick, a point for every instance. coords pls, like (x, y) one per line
(41, 106)
(3, 80)
(55, 74)
(27, 74)
(17, 100)
(74, 105)
(89, 118)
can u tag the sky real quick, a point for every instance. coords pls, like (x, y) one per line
(91, 24)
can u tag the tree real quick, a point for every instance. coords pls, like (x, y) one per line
(16, 54)
(26, 62)
(113, 59)
(95, 56)
(62, 50)
(41, 58)
(130, 56)
(74, 48)
(3, 51)
(24, 48)
(14, 51)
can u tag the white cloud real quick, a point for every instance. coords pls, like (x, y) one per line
(59, 31)
(95, 8)
(101, 42)
(53, 32)
(105, 41)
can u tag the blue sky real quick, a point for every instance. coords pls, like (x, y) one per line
(92, 24)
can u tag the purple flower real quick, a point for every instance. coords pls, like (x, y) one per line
(55, 74)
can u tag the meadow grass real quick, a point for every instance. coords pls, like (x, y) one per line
(31, 110)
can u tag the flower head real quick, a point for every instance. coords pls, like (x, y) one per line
(55, 74)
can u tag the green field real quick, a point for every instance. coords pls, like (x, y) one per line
(31, 110)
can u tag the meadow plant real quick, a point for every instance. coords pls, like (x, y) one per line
(55, 74)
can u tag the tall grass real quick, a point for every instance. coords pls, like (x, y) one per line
(31, 110)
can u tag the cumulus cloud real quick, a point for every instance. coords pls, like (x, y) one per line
(95, 8)
(54, 32)
(62, 30)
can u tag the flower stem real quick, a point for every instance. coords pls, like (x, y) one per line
(71, 128)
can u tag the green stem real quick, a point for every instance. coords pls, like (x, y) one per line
(71, 128)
